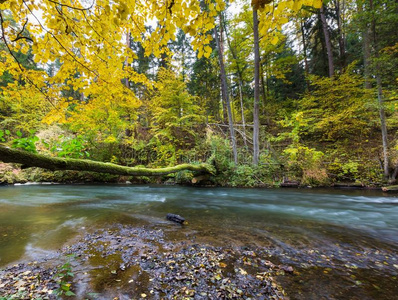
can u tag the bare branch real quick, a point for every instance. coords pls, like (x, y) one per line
(72, 7)
(19, 34)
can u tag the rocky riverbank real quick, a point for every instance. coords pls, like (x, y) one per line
(125, 262)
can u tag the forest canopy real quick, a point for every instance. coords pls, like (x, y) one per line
(304, 90)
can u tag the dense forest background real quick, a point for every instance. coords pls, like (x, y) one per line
(269, 94)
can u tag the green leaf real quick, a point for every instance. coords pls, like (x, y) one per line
(69, 293)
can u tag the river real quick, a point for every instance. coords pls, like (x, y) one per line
(343, 243)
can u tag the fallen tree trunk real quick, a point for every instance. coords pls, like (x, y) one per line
(9, 155)
(391, 188)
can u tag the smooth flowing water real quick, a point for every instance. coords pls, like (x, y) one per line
(323, 233)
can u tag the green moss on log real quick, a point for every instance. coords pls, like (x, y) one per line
(9, 155)
(391, 188)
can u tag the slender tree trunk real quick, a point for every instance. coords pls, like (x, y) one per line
(327, 41)
(383, 124)
(263, 84)
(221, 50)
(224, 91)
(306, 67)
(340, 33)
(366, 46)
(126, 80)
(240, 78)
(264, 92)
(256, 109)
(242, 112)
(366, 58)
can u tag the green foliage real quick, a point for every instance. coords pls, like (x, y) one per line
(306, 163)
(344, 171)
(221, 152)
(174, 118)
(338, 107)
(165, 153)
(4, 134)
(69, 147)
(26, 143)
(63, 278)
(21, 110)
(184, 177)
(244, 175)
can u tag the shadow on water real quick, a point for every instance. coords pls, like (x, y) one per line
(342, 244)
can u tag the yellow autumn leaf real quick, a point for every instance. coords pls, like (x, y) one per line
(317, 4)
(274, 40)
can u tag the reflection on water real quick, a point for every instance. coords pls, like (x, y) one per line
(46, 216)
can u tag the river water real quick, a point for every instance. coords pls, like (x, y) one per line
(343, 243)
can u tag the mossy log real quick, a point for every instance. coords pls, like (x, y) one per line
(391, 188)
(9, 155)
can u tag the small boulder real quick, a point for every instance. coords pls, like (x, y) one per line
(175, 218)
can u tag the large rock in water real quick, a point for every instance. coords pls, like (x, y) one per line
(175, 218)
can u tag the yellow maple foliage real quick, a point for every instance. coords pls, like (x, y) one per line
(274, 14)
(88, 39)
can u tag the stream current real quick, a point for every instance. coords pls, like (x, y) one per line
(343, 243)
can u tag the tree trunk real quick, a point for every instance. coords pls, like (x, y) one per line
(240, 78)
(256, 122)
(383, 126)
(327, 41)
(366, 58)
(306, 68)
(224, 90)
(340, 33)
(126, 80)
(380, 99)
(221, 50)
(242, 112)
(366, 41)
(28, 159)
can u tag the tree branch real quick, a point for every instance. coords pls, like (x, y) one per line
(19, 34)
(3, 37)
(72, 7)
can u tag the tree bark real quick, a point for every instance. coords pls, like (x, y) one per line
(340, 32)
(126, 64)
(242, 112)
(383, 127)
(380, 98)
(366, 47)
(221, 50)
(256, 121)
(239, 71)
(224, 90)
(306, 68)
(9, 155)
(327, 41)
